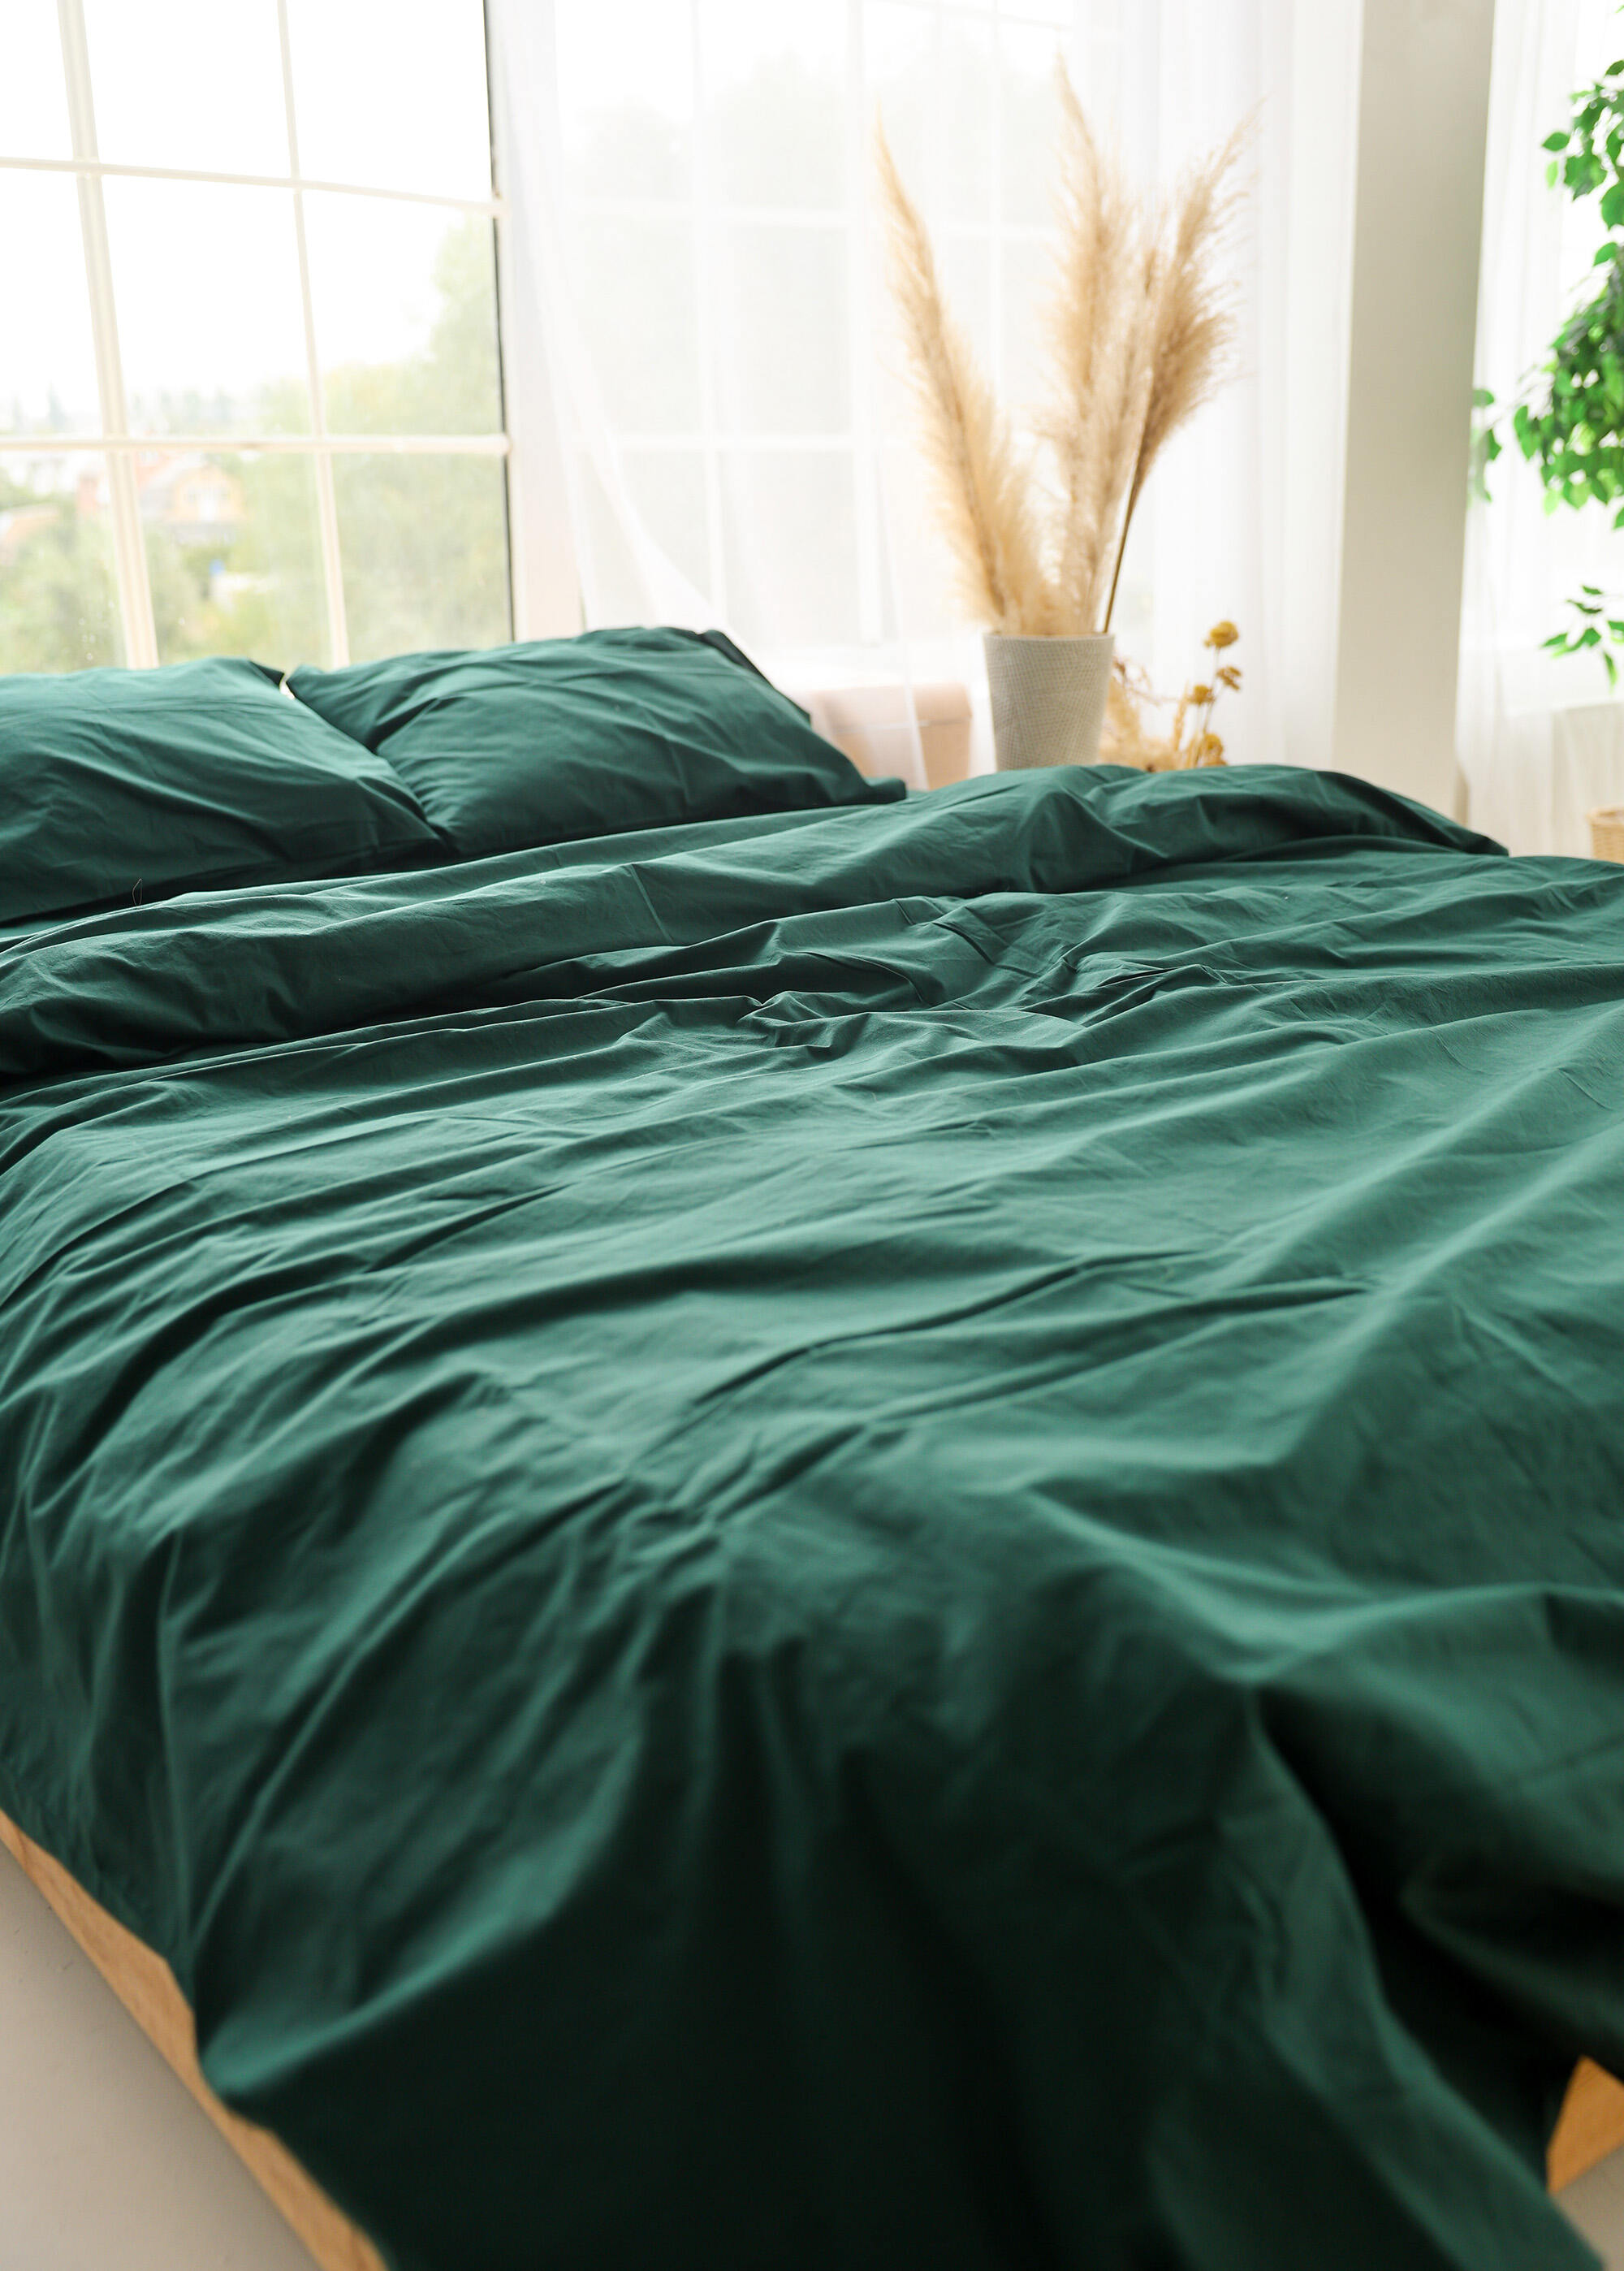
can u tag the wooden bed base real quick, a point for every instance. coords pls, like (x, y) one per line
(1592, 2126)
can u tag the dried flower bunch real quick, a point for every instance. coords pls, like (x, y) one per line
(1140, 331)
(1126, 740)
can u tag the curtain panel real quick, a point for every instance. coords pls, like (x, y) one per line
(1541, 740)
(695, 251)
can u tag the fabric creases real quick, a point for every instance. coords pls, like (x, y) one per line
(877, 1537)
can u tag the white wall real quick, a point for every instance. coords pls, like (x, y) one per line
(1418, 215)
(105, 2159)
(1326, 35)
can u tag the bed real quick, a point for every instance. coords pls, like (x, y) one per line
(853, 1529)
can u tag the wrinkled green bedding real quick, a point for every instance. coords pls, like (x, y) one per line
(888, 1538)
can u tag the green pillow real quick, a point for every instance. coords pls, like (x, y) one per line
(123, 784)
(617, 730)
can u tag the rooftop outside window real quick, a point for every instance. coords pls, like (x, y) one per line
(251, 401)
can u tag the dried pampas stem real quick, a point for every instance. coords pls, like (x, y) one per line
(1123, 407)
(1191, 320)
(981, 484)
(1092, 328)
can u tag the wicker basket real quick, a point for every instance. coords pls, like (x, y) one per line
(1607, 831)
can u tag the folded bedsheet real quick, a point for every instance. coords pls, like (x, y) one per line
(882, 1537)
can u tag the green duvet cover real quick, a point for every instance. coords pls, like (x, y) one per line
(888, 1538)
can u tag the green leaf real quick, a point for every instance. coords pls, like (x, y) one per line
(1590, 637)
(1550, 174)
(1482, 397)
(1612, 666)
(1556, 141)
(1612, 206)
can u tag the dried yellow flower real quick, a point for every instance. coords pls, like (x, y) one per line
(1228, 675)
(1222, 635)
(1200, 695)
(1206, 750)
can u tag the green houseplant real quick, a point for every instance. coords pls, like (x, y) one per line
(1570, 417)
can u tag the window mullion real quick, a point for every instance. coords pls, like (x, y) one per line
(994, 278)
(706, 254)
(135, 591)
(326, 493)
(860, 340)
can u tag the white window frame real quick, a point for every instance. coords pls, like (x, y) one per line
(118, 448)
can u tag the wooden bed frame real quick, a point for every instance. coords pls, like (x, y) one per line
(1592, 2126)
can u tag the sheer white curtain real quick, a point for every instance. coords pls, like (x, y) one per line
(689, 190)
(1541, 742)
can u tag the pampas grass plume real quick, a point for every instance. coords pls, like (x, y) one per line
(1140, 331)
(981, 485)
(1190, 319)
(1093, 334)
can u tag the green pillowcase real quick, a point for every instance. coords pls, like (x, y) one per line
(117, 783)
(617, 730)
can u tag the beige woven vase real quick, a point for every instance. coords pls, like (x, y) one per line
(1049, 698)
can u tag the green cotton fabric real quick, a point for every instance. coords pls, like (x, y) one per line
(885, 1539)
(542, 743)
(128, 785)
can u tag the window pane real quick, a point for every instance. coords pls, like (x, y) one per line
(626, 99)
(210, 316)
(966, 93)
(406, 316)
(233, 555)
(48, 363)
(899, 56)
(933, 82)
(1030, 113)
(58, 598)
(668, 489)
(195, 84)
(791, 547)
(391, 93)
(425, 547)
(775, 102)
(788, 352)
(635, 281)
(33, 100)
(921, 561)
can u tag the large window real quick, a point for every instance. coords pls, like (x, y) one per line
(718, 163)
(715, 184)
(250, 393)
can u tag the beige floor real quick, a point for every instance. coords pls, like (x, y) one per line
(1596, 2203)
(105, 2159)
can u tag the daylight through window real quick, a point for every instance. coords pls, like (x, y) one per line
(250, 393)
